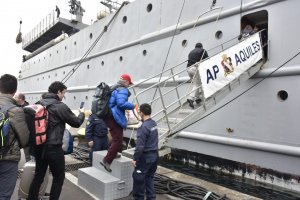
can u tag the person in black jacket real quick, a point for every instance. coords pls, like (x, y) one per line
(51, 153)
(196, 55)
(96, 134)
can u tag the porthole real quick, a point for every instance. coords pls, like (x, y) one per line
(149, 7)
(219, 35)
(65, 47)
(124, 19)
(50, 54)
(49, 76)
(121, 58)
(64, 72)
(88, 66)
(145, 52)
(102, 63)
(91, 35)
(282, 95)
(184, 43)
(74, 97)
(86, 97)
(57, 51)
(75, 43)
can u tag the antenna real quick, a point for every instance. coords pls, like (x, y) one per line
(111, 5)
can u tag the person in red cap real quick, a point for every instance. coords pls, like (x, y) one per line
(118, 103)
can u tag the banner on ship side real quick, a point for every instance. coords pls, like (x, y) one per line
(221, 69)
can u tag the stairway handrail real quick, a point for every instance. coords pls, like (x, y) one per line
(154, 85)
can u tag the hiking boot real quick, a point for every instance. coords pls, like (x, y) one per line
(190, 102)
(118, 155)
(198, 101)
(106, 165)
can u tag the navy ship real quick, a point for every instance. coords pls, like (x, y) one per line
(247, 123)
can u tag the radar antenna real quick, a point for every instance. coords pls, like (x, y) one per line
(76, 9)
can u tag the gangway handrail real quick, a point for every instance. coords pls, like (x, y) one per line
(165, 110)
(168, 69)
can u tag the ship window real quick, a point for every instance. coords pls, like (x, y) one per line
(145, 52)
(86, 97)
(184, 43)
(74, 97)
(49, 76)
(57, 51)
(75, 43)
(102, 63)
(149, 7)
(91, 35)
(121, 58)
(65, 47)
(50, 54)
(55, 74)
(43, 78)
(124, 19)
(88, 66)
(64, 72)
(39, 60)
(44, 57)
(219, 35)
(282, 95)
(34, 62)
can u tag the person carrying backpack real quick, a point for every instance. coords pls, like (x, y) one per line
(51, 153)
(14, 135)
(118, 103)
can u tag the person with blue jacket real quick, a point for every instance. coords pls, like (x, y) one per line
(118, 103)
(96, 134)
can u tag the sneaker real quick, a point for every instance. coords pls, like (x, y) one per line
(106, 165)
(198, 101)
(190, 102)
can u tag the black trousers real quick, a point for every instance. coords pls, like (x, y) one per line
(52, 156)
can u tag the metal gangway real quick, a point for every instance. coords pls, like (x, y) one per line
(167, 91)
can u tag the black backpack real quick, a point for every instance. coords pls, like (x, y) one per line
(4, 130)
(100, 103)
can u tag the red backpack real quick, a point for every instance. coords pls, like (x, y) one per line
(41, 122)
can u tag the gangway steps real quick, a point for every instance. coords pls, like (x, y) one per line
(182, 117)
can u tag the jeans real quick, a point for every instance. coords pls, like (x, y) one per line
(8, 177)
(100, 143)
(195, 78)
(143, 177)
(52, 156)
(116, 132)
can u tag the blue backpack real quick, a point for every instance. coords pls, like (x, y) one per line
(4, 130)
(67, 142)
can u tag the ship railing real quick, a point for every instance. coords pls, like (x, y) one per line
(168, 90)
(44, 25)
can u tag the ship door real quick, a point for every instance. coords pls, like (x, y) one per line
(254, 22)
